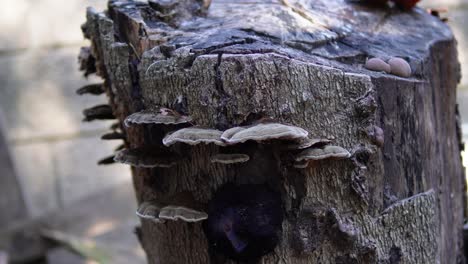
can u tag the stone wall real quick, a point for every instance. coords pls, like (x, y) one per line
(54, 153)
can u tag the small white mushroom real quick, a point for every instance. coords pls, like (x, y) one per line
(163, 116)
(261, 132)
(400, 67)
(326, 152)
(146, 158)
(376, 64)
(149, 211)
(194, 136)
(307, 143)
(175, 213)
(230, 158)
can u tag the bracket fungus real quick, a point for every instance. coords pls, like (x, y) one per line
(99, 112)
(113, 136)
(150, 211)
(301, 164)
(159, 213)
(314, 154)
(87, 61)
(262, 132)
(376, 64)
(172, 212)
(307, 143)
(163, 116)
(194, 136)
(230, 158)
(244, 221)
(146, 158)
(107, 160)
(94, 89)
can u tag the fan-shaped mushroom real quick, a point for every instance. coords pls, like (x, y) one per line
(149, 211)
(163, 116)
(261, 132)
(107, 160)
(194, 136)
(307, 143)
(146, 158)
(113, 136)
(313, 154)
(99, 112)
(94, 89)
(183, 213)
(326, 152)
(230, 158)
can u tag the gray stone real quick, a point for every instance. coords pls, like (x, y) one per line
(26, 24)
(61, 255)
(38, 95)
(12, 204)
(34, 166)
(108, 218)
(79, 175)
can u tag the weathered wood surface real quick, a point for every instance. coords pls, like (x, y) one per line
(401, 203)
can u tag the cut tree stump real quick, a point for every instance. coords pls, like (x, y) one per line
(395, 191)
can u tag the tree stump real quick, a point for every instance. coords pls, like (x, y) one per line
(198, 91)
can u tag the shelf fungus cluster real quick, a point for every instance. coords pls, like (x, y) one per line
(243, 222)
(306, 156)
(99, 112)
(292, 138)
(159, 213)
(146, 158)
(163, 116)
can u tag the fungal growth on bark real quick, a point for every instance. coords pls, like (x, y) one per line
(307, 143)
(147, 158)
(150, 211)
(230, 158)
(94, 89)
(107, 160)
(163, 116)
(185, 214)
(400, 67)
(376, 64)
(244, 221)
(263, 132)
(325, 152)
(99, 112)
(181, 206)
(194, 136)
(258, 132)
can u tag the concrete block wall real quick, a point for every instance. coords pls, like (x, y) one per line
(54, 152)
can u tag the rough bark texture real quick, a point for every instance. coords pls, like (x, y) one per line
(300, 63)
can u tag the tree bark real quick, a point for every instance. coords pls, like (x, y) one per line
(399, 198)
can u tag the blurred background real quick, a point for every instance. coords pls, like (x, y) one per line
(48, 156)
